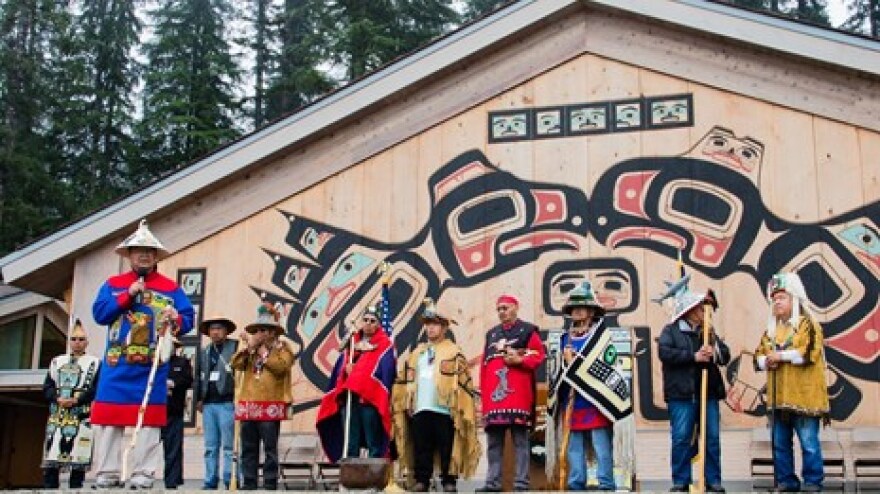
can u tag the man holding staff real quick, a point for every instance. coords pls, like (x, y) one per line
(687, 357)
(142, 310)
(791, 350)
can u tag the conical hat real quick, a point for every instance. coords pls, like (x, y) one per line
(686, 300)
(583, 296)
(142, 237)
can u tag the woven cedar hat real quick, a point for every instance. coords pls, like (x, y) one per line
(142, 237)
(205, 326)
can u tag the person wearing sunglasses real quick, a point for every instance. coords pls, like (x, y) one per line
(791, 350)
(511, 356)
(264, 361)
(70, 388)
(435, 409)
(368, 374)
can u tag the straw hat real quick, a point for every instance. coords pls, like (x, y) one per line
(205, 326)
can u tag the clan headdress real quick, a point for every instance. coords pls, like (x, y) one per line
(268, 317)
(432, 314)
(792, 284)
(142, 237)
(583, 296)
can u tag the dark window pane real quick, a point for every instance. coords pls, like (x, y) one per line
(17, 343)
(54, 343)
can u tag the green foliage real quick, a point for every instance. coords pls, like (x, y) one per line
(864, 17)
(190, 106)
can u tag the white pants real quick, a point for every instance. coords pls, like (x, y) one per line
(144, 459)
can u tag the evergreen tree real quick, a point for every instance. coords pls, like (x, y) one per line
(189, 101)
(365, 35)
(294, 78)
(864, 17)
(812, 11)
(32, 199)
(478, 8)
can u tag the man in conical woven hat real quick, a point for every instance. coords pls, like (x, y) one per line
(791, 349)
(138, 307)
(684, 356)
(434, 408)
(70, 388)
(588, 427)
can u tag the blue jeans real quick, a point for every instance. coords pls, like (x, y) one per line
(683, 416)
(807, 429)
(219, 424)
(603, 446)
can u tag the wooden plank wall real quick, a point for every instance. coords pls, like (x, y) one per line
(814, 168)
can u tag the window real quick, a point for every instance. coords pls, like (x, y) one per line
(17, 343)
(54, 343)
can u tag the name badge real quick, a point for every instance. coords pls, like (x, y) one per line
(215, 376)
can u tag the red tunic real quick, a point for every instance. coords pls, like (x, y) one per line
(508, 392)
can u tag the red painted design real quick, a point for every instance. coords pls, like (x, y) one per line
(646, 233)
(861, 342)
(550, 207)
(477, 257)
(630, 192)
(533, 240)
(467, 172)
(709, 251)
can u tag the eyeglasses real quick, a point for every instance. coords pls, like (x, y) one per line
(370, 320)
(77, 338)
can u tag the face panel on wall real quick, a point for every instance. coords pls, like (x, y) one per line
(587, 119)
(670, 111)
(510, 125)
(548, 121)
(627, 115)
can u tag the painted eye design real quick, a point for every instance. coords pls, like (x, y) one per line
(349, 267)
(295, 276)
(862, 237)
(310, 241)
(312, 315)
(718, 141)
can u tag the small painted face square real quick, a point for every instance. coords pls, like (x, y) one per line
(674, 111)
(588, 119)
(627, 115)
(548, 122)
(509, 125)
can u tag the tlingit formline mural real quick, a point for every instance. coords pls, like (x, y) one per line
(704, 203)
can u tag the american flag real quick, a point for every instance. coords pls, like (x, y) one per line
(385, 308)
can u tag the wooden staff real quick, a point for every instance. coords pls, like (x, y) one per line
(566, 436)
(160, 343)
(236, 427)
(704, 392)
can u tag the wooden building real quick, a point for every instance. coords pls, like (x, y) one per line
(552, 141)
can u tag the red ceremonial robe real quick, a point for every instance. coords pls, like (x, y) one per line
(508, 392)
(371, 378)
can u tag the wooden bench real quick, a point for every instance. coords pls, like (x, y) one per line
(866, 458)
(761, 464)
